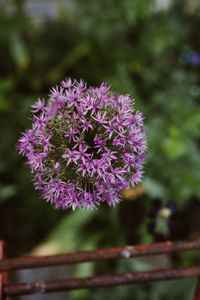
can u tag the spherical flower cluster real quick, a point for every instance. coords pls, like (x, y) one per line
(86, 145)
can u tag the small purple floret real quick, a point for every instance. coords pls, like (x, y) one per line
(86, 145)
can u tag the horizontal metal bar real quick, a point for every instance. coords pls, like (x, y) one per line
(28, 262)
(98, 281)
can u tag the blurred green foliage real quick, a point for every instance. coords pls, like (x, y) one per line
(136, 46)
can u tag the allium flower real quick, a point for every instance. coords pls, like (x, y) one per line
(85, 146)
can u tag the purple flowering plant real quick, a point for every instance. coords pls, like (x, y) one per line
(86, 145)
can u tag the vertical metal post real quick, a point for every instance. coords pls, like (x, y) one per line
(197, 292)
(1, 274)
(4, 275)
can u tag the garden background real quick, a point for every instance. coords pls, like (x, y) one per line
(148, 48)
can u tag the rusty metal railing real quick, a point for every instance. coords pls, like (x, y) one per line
(28, 262)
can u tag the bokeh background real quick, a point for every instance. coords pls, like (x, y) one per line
(149, 48)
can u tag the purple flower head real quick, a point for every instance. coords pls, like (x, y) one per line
(38, 106)
(85, 146)
(194, 58)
